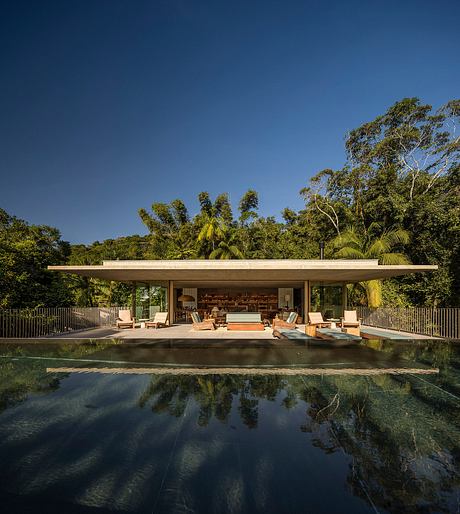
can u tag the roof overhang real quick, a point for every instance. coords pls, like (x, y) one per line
(238, 271)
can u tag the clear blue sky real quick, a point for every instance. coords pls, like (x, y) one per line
(108, 105)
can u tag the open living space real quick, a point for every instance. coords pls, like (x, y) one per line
(240, 298)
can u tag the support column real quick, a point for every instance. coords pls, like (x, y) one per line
(344, 296)
(170, 302)
(306, 300)
(133, 299)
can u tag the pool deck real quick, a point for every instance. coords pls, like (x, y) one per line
(184, 331)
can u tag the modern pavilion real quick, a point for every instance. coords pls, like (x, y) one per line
(267, 286)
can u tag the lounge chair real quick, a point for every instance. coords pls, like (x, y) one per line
(290, 323)
(159, 320)
(350, 323)
(199, 324)
(125, 320)
(336, 334)
(316, 318)
(350, 319)
(288, 333)
(315, 321)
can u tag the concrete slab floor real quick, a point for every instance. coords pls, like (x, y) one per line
(179, 331)
(185, 331)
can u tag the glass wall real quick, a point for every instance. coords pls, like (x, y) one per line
(327, 299)
(150, 299)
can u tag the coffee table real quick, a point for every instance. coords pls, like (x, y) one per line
(333, 322)
(142, 321)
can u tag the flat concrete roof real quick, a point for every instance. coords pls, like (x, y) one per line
(257, 271)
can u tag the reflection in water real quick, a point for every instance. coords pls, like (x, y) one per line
(215, 443)
(19, 377)
(215, 395)
(404, 447)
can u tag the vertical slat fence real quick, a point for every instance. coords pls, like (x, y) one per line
(442, 322)
(43, 321)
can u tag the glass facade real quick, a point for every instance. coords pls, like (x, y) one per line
(327, 299)
(150, 299)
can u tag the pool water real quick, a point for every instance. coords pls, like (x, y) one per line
(241, 427)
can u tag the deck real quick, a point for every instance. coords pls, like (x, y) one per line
(184, 331)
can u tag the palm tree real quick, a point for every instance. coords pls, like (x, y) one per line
(227, 249)
(213, 230)
(353, 245)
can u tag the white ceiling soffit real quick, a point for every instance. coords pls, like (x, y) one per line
(257, 272)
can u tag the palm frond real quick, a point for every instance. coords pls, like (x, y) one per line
(203, 232)
(236, 252)
(394, 258)
(348, 237)
(215, 254)
(349, 253)
(377, 248)
(397, 236)
(375, 227)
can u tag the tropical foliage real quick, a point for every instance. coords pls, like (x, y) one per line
(25, 252)
(396, 199)
(350, 244)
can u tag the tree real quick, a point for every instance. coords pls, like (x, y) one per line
(228, 248)
(170, 229)
(352, 245)
(25, 252)
(213, 231)
(224, 209)
(402, 170)
(205, 203)
(421, 146)
(320, 196)
(248, 206)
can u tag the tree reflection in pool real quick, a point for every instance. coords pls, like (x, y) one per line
(228, 443)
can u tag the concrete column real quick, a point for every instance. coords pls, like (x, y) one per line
(306, 301)
(171, 302)
(133, 299)
(344, 296)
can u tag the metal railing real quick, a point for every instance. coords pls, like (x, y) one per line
(41, 322)
(44, 321)
(443, 322)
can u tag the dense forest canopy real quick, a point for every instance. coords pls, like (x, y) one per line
(397, 199)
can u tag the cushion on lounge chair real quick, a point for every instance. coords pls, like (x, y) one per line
(337, 334)
(383, 334)
(195, 317)
(292, 318)
(292, 334)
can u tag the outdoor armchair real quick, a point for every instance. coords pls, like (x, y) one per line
(125, 320)
(198, 324)
(350, 319)
(290, 323)
(159, 320)
(316, 319)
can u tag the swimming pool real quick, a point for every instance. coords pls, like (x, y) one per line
(234, 426)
